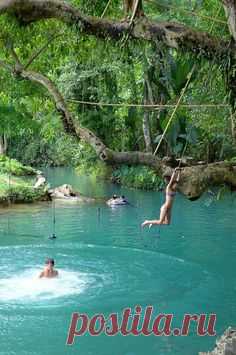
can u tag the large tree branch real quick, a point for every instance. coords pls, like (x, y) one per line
(58, 99)
(173, 34)
(230, 12)
(194, 179)
(70, 125)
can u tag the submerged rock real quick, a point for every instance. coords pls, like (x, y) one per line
(226, 345)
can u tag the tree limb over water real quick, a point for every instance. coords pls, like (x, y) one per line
(195, 179)
(172, 34)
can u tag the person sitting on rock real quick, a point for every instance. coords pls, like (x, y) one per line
(165, 211)
(49, 271)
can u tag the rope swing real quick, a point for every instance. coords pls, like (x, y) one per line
(175, 109)
(53, 235)
(180, 98)
(105, 10)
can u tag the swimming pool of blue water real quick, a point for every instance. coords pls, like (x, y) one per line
(108, 263)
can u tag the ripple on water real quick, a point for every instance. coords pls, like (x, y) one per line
(101, 275)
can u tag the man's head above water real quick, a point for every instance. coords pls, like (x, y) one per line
(49, 270)
(49, 261)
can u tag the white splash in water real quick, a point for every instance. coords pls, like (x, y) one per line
(28, 287)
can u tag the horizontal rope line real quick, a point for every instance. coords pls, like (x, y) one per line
(91, 103)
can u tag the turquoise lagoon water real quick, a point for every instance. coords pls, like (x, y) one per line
(107, 263)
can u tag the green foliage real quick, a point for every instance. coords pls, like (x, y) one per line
(98, 169)
(14, 167)
(13, 119)
(140, 177)
(233, 160)
(180, 69)
(180, 134)
(22, 194)
(58, 150)
(89, 69)
(19, 189)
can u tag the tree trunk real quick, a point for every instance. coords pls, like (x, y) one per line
(231, 85)
(230, 12)
(3, 144)
(233, 126)
(146, 118)
(135, 7)
(146, 131)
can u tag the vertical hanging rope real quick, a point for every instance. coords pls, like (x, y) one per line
(53, 236)
(9, 196)
(135, 8)
(99, 214)
(54, 218)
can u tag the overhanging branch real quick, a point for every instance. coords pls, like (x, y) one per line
(172, 34)
(194, 179)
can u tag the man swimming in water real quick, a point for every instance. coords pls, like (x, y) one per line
(49, 271)
(165, 212)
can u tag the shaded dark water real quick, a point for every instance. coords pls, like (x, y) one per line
(107, 263)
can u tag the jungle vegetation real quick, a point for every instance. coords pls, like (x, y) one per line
(79, 85)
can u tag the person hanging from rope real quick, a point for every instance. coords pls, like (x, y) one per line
(165, 211)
